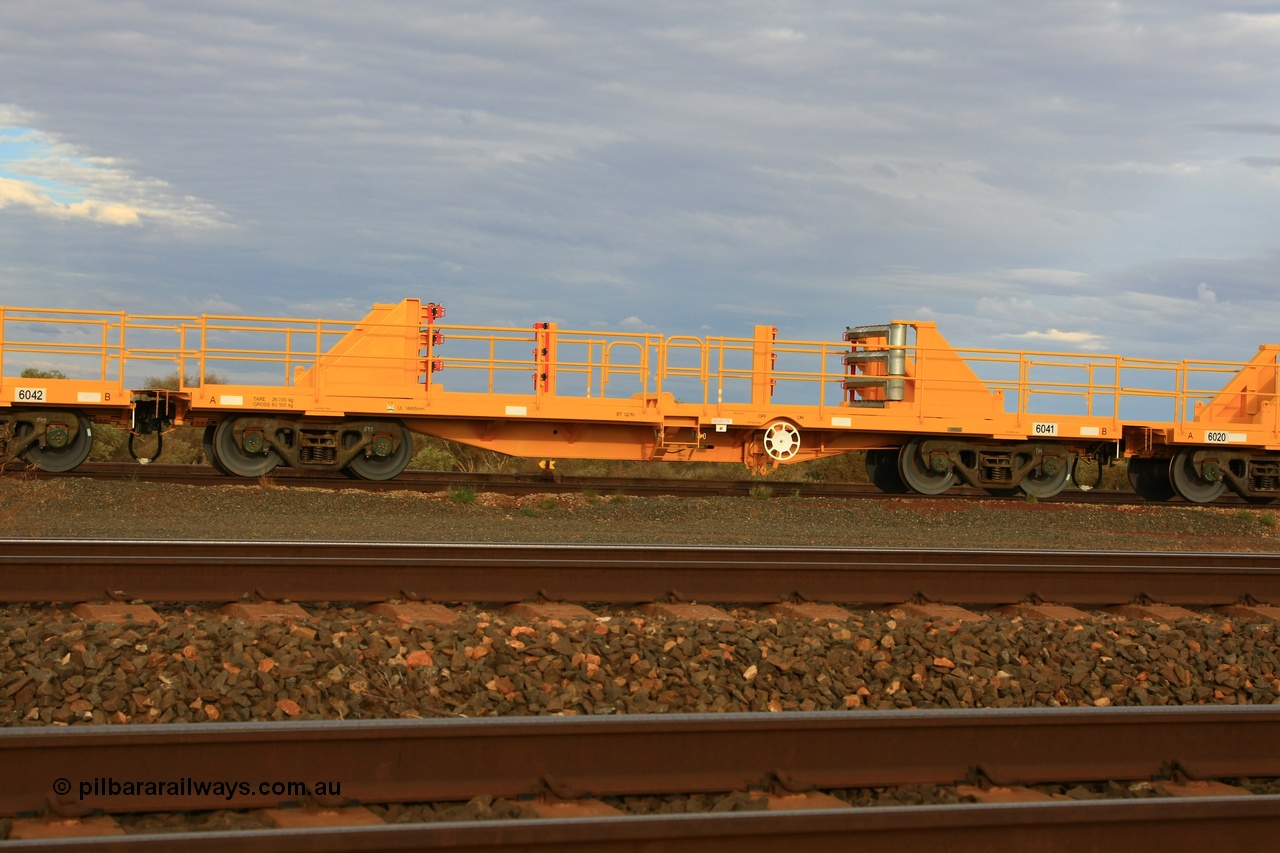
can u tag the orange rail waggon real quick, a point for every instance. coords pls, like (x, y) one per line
(323, 396)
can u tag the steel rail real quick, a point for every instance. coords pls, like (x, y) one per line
(1237, 825)
(528, 484)
(40, 570)
(388, 761)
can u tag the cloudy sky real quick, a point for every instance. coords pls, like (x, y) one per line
(1087, 176)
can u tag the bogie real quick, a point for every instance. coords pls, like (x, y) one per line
(254, 445)
(51, 440)
(932, 465)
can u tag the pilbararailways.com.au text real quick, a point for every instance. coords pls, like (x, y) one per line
(109, 786)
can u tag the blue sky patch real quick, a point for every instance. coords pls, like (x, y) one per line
(24, 154)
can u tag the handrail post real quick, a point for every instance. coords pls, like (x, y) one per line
(124, 351)
(493, 361)
(1115, 391)
(204, 356)
(720, 376)
(704, 371)
(1024, 386)
(646, 366)
(660, 369)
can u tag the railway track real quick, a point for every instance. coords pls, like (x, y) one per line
(1194, 767)
(40, 570)
(527, 484)
(770, 761)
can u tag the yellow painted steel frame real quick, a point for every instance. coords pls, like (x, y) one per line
(86, 342)
(681, 397)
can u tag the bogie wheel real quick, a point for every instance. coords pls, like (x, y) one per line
(781, 441)
(919, 477)
(882, 470)
(1041, 484)
(1190, 483)
(374, 467)
(234, 459)
(210, 454)
(1150, 478)
(73, 450)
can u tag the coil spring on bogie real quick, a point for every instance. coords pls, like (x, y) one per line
(1264, 476)
(317, 455)
(995, 467)
(1264, 484)
(317, 447)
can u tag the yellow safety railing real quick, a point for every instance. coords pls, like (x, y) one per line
(105, 328)
(592, 363)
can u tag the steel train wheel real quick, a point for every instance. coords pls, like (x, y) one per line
(1188, 481)
(210, 455)
(58, 459)
(384, 467)
(882, 470)
(1150, 478)
(1042, 485)
(919, 477)
(234, 459)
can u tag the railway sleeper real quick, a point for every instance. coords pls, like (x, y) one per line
(252, 445)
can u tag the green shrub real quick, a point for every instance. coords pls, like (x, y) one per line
(845, 468)
(1114, 477)
(432, 454)
(462, 495)
(108, 444)
(182, 446)
(170, 382)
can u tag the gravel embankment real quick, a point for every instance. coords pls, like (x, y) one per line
(347, 664)
(86, 508)
(343, 663)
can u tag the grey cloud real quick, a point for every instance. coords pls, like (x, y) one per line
(663, 160)
(1254, 129)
